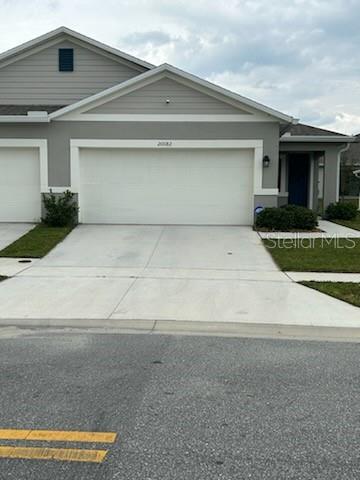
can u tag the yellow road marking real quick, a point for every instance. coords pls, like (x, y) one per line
(57, 436)
(63, 454)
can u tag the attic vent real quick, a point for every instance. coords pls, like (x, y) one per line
(66, 59)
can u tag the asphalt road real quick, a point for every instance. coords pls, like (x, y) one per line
(185, 407)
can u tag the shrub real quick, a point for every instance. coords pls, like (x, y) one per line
(303, 218)
(289, 217)
(61, 210)
(275, 219)
(341, 211)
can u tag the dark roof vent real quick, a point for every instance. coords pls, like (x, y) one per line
(66, 59)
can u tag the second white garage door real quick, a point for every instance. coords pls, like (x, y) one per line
(152, 186)
(20, 198)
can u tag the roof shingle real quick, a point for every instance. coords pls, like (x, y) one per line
(303, 130)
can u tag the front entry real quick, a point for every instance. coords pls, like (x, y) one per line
(298, 183)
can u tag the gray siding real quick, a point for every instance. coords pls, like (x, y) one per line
(265, 201)
(36, 79)
(151, 99)
(60, 133)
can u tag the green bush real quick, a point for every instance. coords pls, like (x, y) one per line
(61, 210)
(289, 217)
(275, 219)
(303, 218)
(341, 211)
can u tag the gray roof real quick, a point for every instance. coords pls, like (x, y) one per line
(23, 109)
(302, 130)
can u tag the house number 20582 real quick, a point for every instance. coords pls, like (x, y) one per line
(164, 144)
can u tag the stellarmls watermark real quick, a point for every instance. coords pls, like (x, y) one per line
(298, 241)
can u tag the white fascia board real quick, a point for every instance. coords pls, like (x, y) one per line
(317, 139)
(67, 31)
(141, 80)
(24, 119)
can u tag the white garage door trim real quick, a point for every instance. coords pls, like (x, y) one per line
(257, 145)
(39, 143)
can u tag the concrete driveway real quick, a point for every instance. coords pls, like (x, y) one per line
(9, 232)
(182, 273)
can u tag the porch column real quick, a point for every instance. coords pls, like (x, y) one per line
(315, 182)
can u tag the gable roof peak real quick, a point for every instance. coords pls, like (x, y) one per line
(62, 30)
(151, 75)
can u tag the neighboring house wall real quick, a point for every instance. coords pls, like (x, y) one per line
(352, 155)
(36, 79)
(59, 134)
(151, 99)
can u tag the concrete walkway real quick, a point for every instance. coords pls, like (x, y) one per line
(324, 277)
(219, 275)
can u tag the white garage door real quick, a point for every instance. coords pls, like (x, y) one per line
(152, 186)
(20, 199)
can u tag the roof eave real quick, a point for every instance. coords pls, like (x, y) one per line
(317, 139)
(24, 119)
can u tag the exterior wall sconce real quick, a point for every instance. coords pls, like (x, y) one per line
(266, 161)
(167, 101)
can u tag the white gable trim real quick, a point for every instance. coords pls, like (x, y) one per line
(60, 34)
(160, 72)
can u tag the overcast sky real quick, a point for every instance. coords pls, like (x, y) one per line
(299, 56)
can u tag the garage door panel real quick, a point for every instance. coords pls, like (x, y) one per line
(170, 187)
(20, 199)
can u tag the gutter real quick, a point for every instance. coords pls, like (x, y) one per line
(317, 139)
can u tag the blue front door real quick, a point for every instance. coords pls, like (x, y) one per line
(298, 182)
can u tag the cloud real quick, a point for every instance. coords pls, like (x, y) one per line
(301, 57)
(155, 38)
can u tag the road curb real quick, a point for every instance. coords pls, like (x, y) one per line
(253, 330)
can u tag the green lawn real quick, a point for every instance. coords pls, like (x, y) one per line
(346, 291)
(355, 224)
(36, 243)
(316, 255)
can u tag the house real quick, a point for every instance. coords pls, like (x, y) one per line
(143, 144)
(350, 163)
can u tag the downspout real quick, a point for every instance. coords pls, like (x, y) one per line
(342, 150)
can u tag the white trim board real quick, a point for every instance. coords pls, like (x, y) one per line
(257, 145)
(24, 119)
(104, 117)
(39, 143)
